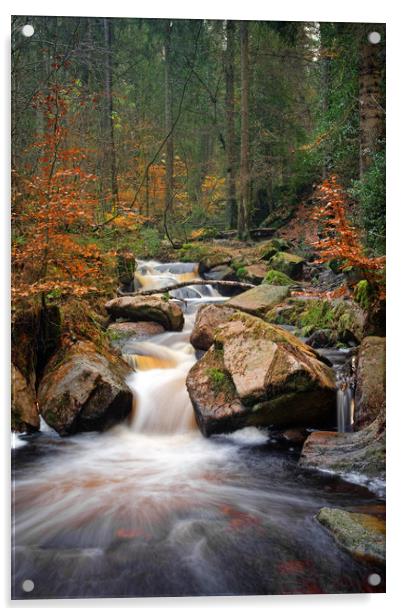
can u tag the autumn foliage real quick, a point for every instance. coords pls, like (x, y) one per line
(341, 240)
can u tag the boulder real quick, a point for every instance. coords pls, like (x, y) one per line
(83, 390)
(277, 278)
(288, 263)
(260, 300)
(322, 339)
(155, 308)
(220, 272)
(279, 381)
(255, 273)
(24, 412)
(269, 249)
(140, 329)
(213, 260)
(360, 534)
(209, 317)
(370, 381)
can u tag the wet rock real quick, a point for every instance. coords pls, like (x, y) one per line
(213, 260)
(296, 436)
(209, 317)
(279, 381)
(362, 535)
(370, 381)
(360, 453)
(260, 300)
(140, 329)
(83, 390)
(24, 412)
(288, 263)
(322, 339)
(214, 398)
(155, 308)
(220, 272)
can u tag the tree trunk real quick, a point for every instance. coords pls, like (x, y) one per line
(371, 111)
(168, 122)
(110, 146)
(244, 204)
(230, 124)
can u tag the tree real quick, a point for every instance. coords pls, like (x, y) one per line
(110, 152)
(244, 202)
(230, 123)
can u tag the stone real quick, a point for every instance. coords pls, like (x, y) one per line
(279, 381)
(255, 273)
(322, 339)
(155, 308)
(213, 260)
(220, 272)
(270, 248)
(260, 300)
(288, 263)
(140, 329)
(24, 412)
(360, 534)
(83, 390)
(208, 318)
(370, 381)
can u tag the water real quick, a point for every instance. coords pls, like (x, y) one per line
(151, 508)
(343, 364)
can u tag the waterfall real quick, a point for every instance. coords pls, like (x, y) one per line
(344, 407)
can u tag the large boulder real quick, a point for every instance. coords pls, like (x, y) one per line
(288, 263)
(360, 534)
(83, 390)
(209, 317)
(268, 376)
(270, 248)
(147, 308)
(260, 300)
(24, 412)
(255, 273)
(370, 381)
(119, 333)
(212, 260)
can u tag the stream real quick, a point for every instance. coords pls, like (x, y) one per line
(152, 508)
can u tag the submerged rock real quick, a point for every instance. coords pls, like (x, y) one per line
(260, 300)
(147, 308)
(83, 390)
(209, 317)
(24, 412)
(362, 535)
(288, 263)
(277, 380)
(370, 381)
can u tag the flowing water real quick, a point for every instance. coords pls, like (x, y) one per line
(151, 508)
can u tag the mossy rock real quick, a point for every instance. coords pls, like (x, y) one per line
(362, 535)
(277, 278)
(288, 263)
(260, 300)
(270, 248)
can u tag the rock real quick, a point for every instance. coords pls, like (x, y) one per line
(279, 381)
(126, 266)
(83, 390)
(370, 381)
(220, 272)
(296, 436)
(213, 260)
(277, 278)
(269, 249)
(361, 453)
(255, 273)
(24, 412)
(147, 308)
(260, 300)
(216, 404)
(362, 535)
(287, 263)
(207, 320)
(322, 339)
(140, 329)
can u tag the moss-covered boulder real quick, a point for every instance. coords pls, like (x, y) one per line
(360, 534)
(155, 308)
(270, 248)
(24, 412)
(288, 263)
(83, 390)
(213, 259)
(208, 318)
(119, 333)
(280, 381)
(255, 273)
(370, 381)
(260, 300)
(277, 278)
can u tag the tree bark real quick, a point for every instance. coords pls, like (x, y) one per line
(168, 123)
(244, 204)
(371, 111)
(230, 123)
(110, 147)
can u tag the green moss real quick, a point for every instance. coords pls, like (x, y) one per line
(277, 278)
(221, 382)
(318, 315)
(192, 253)
(241, 273)
(363, 294)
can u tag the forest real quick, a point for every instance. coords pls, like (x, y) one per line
(198, 248)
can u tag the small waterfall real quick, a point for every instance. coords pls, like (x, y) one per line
(344, 407)
(343, 361)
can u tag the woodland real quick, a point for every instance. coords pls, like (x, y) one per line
(198, 248)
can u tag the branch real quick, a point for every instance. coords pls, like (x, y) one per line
(194, 283)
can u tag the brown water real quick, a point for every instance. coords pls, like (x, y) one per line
(151, 508)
